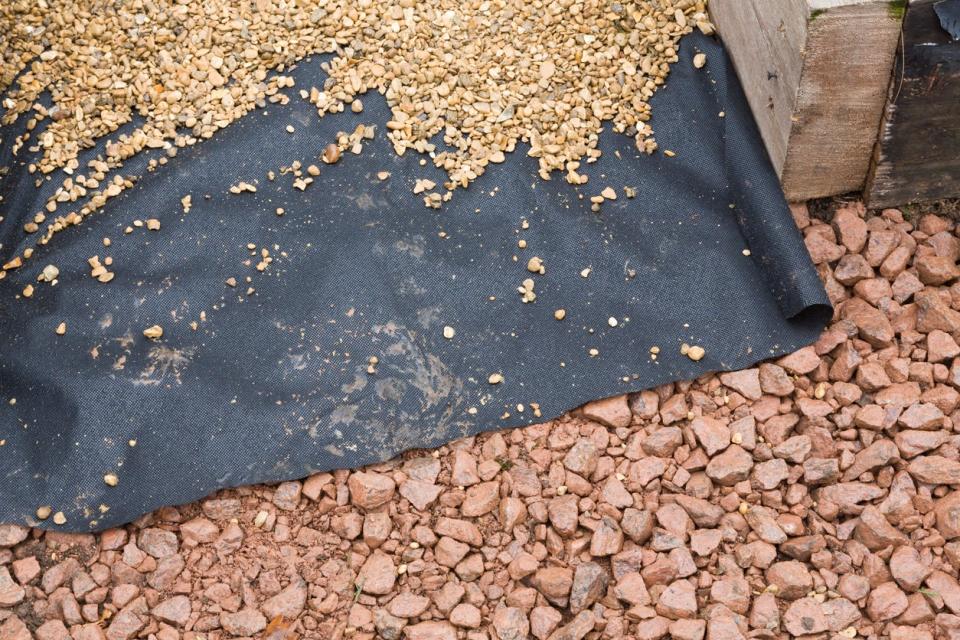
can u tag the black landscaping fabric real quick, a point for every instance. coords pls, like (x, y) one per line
(274, 385)
(948, 12)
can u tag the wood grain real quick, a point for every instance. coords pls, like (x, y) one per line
(918, 156)
(816, 75)
(765, 39)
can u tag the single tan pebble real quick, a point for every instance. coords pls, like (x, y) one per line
(535, 265)
(290, 128)
(772, 588)
(612, 321)
(111, 480)
(562, 490)
(331, 154)
(586, 272)
(699, 60)
(132, 442)
(59, 518)
(356, 106)
(402, 569)
(61, 328)
(43, 512)
(154, 332)
(560, 314)
(743, 508)
(495, 378)
(594, 352)
(50, 273)
(849, 632)
(746, 252)
(414, 545)
(696, 353)
(383, 175)
(449, 332)
(313, 170)
(736, 438)
(820, 391)
(260, 519)
(669, 153)
(684, 349)
(28, 291)
(107, 242)
(609, 193)
(522, 244)
(655, 350)
(280, 211)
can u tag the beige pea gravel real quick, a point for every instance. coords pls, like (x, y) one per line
(331, 154)
(50, 273)
(154, 332)
(485, 74)
(695, 353)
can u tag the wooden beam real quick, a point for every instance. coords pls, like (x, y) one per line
(918, 155)
(816, 74)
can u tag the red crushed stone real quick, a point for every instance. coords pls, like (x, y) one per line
(817, 496)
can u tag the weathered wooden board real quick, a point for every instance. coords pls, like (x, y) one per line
(918, 155)
(816, 74)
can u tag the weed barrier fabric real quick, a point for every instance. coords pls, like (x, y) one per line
(274, 385)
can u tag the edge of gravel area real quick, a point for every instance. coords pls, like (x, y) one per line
(814, 497)
(718, 90)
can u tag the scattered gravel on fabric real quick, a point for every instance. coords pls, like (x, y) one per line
(816, 496)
